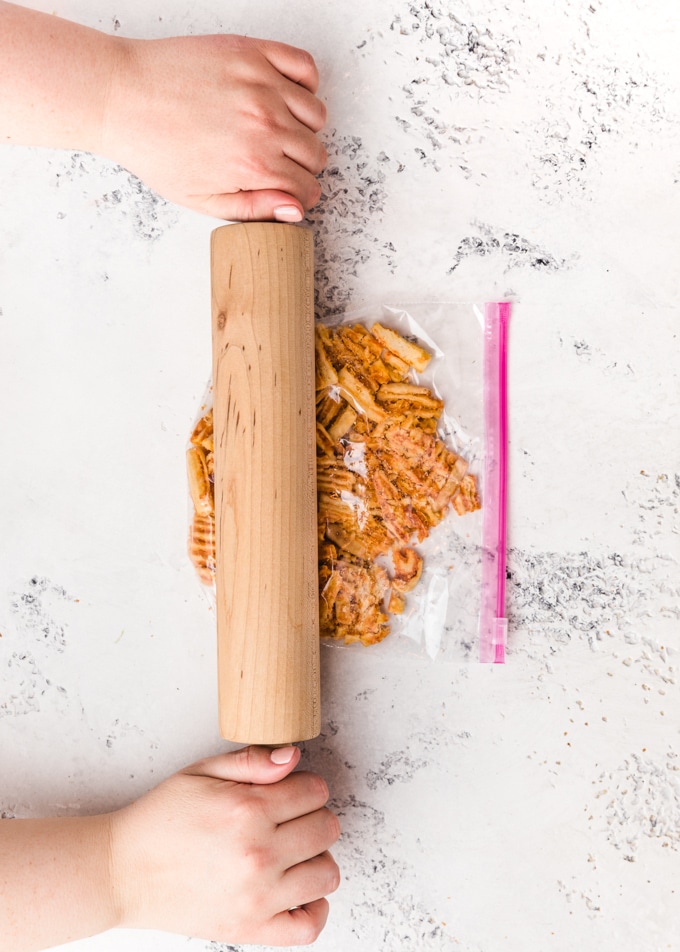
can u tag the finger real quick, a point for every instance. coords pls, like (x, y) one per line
(305, 149)
(290, 176)
(296, 796)
(264, 205)
(282, 183)
(306, 108)
(300, 926)
(248, 765)
(298, 65)
(287, 156)
(303, 838)
(286, 179)
(309, 881)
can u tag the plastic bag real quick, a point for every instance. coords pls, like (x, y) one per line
(433, 578)
(200, 475)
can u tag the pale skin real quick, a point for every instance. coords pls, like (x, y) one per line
(225, 125)
(234, 848)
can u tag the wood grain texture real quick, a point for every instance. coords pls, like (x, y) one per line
(265, 483)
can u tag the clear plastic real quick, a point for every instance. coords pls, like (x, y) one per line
(452, 614)
(455, 608)
(493, 627)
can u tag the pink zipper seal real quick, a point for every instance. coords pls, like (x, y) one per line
(493, 623)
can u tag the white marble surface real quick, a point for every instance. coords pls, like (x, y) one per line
(523, 149)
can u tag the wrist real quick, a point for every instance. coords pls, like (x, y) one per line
(117, 104)
(57, 77)
(112, 891)
(127, 878)
(112, 54)
(56, 881)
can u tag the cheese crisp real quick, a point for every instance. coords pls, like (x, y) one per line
(200, 471)
(384, 479)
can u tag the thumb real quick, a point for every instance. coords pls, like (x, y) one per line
(262, 205)
(249, 765)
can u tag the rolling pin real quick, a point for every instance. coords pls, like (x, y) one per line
(262, 277)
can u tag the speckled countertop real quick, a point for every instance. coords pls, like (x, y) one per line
(527, 150)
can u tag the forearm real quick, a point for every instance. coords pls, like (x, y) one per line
(55, 883)
(55, 78)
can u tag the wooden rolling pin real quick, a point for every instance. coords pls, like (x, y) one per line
(265, 483)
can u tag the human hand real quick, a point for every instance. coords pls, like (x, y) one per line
(231, 849)
(225, 125)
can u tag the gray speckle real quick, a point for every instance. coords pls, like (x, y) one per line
(149, 214)
(21, 696)
(640, 798)
(460, 50)
(571, 895)
(588, 100)
(588, 354)
(447, 56)
(123, 730)
(581, 595)
(385, 911)
(344, 221)
(518, 252)
(33, 617)
(421, 750)
(24, 685)
(655, 501)
(398, 766)
(40, 637)
(115, 191)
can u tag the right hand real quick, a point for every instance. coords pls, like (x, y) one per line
(231, 849)
(223, 124)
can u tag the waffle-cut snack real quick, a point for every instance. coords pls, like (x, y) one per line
(353, 593)
(200, 471)
(202, 547)
(200, 486)
(384, 478)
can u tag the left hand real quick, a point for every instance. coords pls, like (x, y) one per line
(223, 124)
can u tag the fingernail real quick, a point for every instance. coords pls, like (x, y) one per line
(282, 755)
(288, 213)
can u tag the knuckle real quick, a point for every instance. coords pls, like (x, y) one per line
(258, 107)
(262, 123)
(334, 878)
(253, 167)
(310, 932)
(247, 756)
(320, 787)
(323, 156)
(235, 41)
(314, 786)
(253, 60)
(306, 61)
(323, 112)
(267, 124)
(247, 812)
(318, 159)
(334, 827)
(257, 860)
(198, 768)
(239, 764)
(312, 195)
